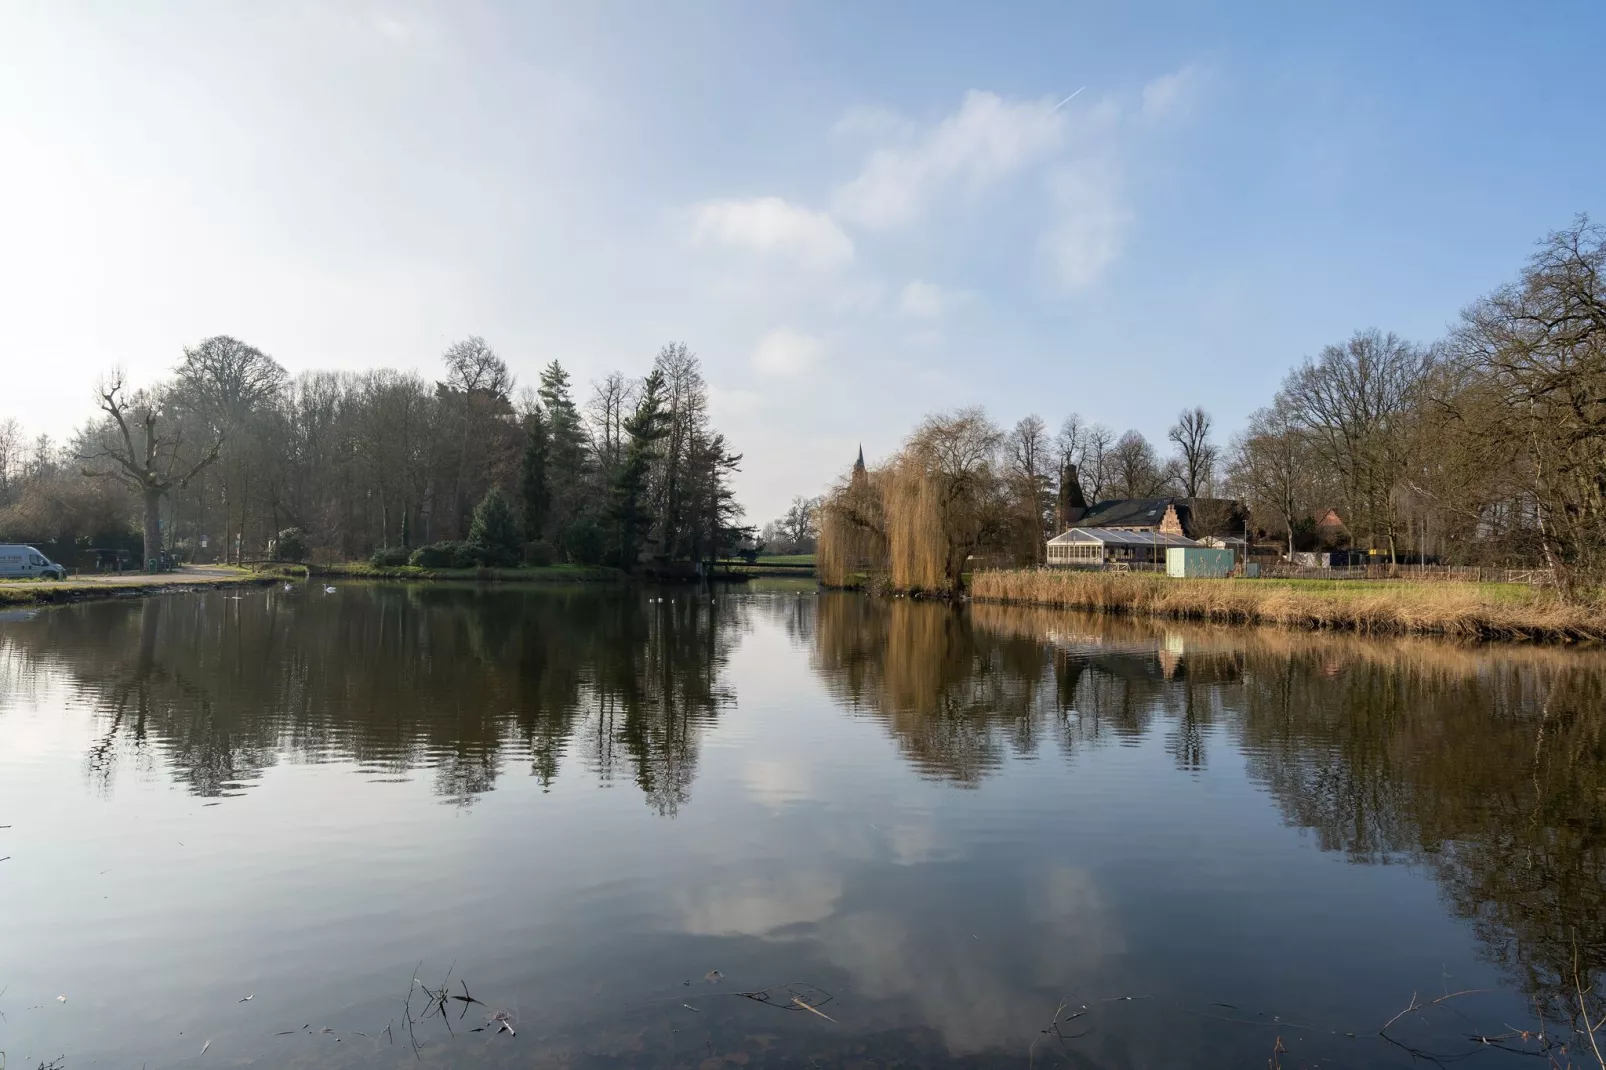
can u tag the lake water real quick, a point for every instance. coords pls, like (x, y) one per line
(912, 834)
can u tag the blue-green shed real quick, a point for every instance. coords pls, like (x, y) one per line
(1187, 562)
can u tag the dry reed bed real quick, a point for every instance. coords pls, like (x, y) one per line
(1406, 609)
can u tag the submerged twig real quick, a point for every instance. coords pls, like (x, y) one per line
(796, 994)
(812, 1010)
(1583, 1007)
(438, 1000)
(1060, 1018)
(1414, 1006)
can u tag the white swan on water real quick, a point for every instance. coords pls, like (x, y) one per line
(328, 590)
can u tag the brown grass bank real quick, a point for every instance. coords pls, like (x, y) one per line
(1474, 611)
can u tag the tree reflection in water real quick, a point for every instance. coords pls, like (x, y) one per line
(1484, 765)
(216, 688)
(961, 688)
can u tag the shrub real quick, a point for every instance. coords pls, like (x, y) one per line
(495, 531)
(447, 554)
(429, 556)
(539, 554)
(583, 543)
(388, 557)
(291, 545)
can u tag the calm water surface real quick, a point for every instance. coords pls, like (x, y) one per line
(606, 813)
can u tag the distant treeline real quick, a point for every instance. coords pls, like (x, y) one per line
(234, 459)
(1486, 447)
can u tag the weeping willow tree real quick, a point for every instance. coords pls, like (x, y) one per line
(917, 521)
(852, 544)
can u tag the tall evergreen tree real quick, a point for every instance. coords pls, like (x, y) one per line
(567, 452)
(628, 508)
(534, 488)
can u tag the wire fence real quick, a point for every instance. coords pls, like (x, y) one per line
(1533, 577)
(1283, 570)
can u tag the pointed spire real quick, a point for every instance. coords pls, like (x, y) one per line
(858, 465)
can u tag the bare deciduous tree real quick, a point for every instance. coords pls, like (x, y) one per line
(148, 457)
(1030, 455)
(1098, 451)
(1270, 468)
(1135, 468)
(1196, 454)
(1539, 346)
(226, 386)
(228, 378)
(480, 381)
(796, 531)
(1355, 404)
(613, 399)
(11, 451)
(1087, 447)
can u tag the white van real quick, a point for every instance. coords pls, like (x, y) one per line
(24, 562)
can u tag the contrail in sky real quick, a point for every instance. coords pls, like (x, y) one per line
(1064, 102)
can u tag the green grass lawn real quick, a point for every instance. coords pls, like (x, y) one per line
(772, 565)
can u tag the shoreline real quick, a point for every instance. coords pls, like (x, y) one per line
(69, 591)
(1464, 611)
(356, 570)
(36, 594)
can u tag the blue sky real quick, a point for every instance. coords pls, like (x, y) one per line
(855, 213)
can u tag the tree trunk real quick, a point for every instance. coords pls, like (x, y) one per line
(153, 527)
(245, 507)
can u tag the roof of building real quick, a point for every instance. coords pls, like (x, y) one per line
(1125, 512)
(1116, 537)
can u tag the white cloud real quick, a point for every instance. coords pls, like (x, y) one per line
(402, 29)
(1091, 224)
(772, 226)
(1172, 94)
(987, 139)
(758, 905)
(773, 783)
(858, 297)
(871, 122)
(786, 353)
(726, 403)
(923, 300)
